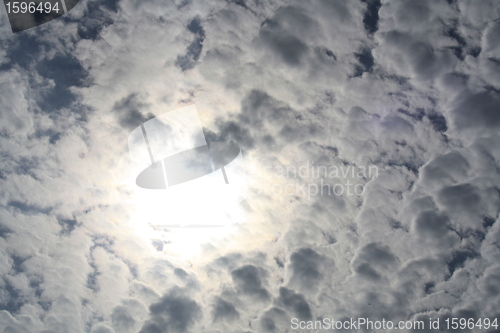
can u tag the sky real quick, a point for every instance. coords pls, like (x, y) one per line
(370, 132)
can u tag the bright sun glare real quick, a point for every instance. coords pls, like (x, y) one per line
(186, 227)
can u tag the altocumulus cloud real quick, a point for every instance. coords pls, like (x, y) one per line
(411, 87)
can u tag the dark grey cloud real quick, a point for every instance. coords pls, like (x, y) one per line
(223, 310)
(174, 312)
(248, 280)
(266, 123)
(272, 320)
(23, 50)
(63, 69)
(438, 122)
(98, 16)
(370, 19)
(478, 110)
(458, 259)
(131, 111)
(122, 320)
(423, 61)
(446, 168)
(366, 60)
(67, 226)
(432, 226)
(462, 197)
(306, 266)
(374, 260)
(287, 47)
(188, 60)
(295, 303)
(11, 299)
(27, 208)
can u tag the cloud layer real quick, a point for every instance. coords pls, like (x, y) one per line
(409, 87)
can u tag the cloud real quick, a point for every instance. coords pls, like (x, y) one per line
(286, 46)
(247, 280)
(174, 312)
(16, 119)
(373, 260)
(408, 87)
(484, 106)
(129, 110)
(306, 265)
(223, 310)
(188, 60)
(295, 303)
(122, 320)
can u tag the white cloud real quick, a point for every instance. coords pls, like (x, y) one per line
(291, 83)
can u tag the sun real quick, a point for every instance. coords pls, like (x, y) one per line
(187, 224)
